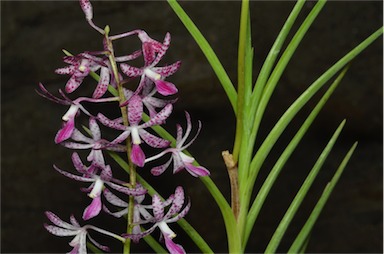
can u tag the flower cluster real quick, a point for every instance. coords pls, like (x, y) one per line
(147, 97)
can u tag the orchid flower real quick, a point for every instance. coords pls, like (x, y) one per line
(69, 117)
(149, 71)
(79, 242)
(82, 64)
(148, 99)
(137, 131)
(99, 182)
(179, 158)
(160, 219)
(96, 143)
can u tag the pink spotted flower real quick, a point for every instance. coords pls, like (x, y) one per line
(161, 219)
(179, 158)
(101, 178)
(96, 144)
(74, 108)
(150, 71)
(136, 130)
(80, 233)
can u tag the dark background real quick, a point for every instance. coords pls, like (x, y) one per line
(32, 36)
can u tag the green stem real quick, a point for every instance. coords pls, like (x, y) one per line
(124, 114)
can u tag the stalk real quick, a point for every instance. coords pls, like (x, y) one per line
(124, 114)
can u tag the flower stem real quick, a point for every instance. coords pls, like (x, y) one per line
(124, 114)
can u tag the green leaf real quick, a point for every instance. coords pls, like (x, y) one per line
(294, 206)
(283, 122)
(307, 228)
(273, 53)
(261, 98)
(208, 52)
(274, 173)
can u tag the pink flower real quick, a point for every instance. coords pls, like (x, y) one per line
(150, 71)
(79, 242)
(100, 179)
(136, 130)
(179, 158)
(75, 107)
(161, 219)
(96, 143)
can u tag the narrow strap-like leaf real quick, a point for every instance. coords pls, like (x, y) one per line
(274, 173)
(294, 206)
(287, 117)
(307, 228)
(208, 52)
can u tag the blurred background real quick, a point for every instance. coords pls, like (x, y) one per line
(35, 32)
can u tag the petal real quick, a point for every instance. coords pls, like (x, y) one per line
(98, 245)
(168, 70)
(136, 237)
(73, 145)
(165, 88)
(82, 243)
(78, 136)
(93, 209)
(131, 71)
(74, 222)
(137, 155)
(118, 214)
(113, 199)
(59, 222)
(188, 130)
(95, 129)
(66, 131)
(59, 231)
(102, 86)
(114, 124)
(156, 171)
(138, 191)
(72, 176)
(181, 214)
(162, 49)
(121, 138)
(158, 209)
(172, 247)
(178, 163)
(177, 203)
(132, 56)
(160, 117)
(68, 70)
(152, 140)
(135, 110)
(73, 83)
(97, 158)
(196, 170)
(44, 93)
